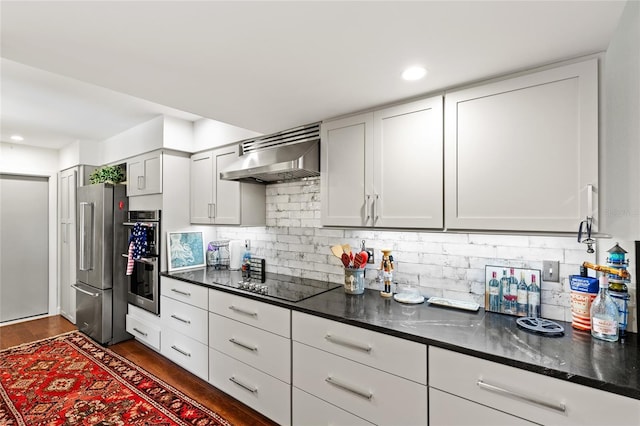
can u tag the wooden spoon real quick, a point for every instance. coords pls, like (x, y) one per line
(337, 251)
(347, 249)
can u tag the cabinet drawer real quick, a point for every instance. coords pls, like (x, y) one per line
(265, 351)
(364, 346)
(309, 410)
(468, 377)
(258, 314)
(185, 351)
(450, 410)
(192, 294)
(374, 395)
(183, 318)
(144, 332)
(259, 391)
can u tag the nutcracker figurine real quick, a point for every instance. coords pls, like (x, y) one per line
(386, 266)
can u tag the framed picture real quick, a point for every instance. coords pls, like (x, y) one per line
(185, 250)
(512, 290)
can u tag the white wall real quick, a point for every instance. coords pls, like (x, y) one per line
(33, 161)
(143, 138)
(212, 134)
(79, 152)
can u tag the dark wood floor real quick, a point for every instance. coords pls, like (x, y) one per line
(192, 386)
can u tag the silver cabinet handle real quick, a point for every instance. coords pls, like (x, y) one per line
(244, 385)
(349, 387)
(502, 391)
(140, 332)
(243, 311)
(184, 293)
(348, 343)
(180, 319)
(209, 210)
(375, 208)
(367, 208)
(590, 200)
(243, 345)
(88, 293)
(177, 349)
(140, 182)
(211, 207)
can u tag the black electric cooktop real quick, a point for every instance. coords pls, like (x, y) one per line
(283, 287)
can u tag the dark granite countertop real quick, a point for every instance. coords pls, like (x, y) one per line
(575, 357)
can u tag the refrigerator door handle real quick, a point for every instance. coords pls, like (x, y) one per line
(86, 236)
(88, 293)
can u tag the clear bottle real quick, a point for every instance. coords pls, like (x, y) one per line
(504, 291)
(494, 293)
(513, 291)
(522, 296)
(533, 298)
(604, 314)
(246, 261)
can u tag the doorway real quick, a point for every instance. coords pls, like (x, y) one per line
(24, 246)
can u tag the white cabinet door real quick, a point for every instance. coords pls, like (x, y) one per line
(67, 182)
(226, 193)
(309, 410)
(449, 410)
(408, 170)
(144, 174)
(521, 154)
(201, 190)
(346, 171)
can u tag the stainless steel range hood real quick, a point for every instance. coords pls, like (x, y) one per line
(291, 154)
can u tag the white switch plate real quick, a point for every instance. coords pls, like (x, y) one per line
(551, 271)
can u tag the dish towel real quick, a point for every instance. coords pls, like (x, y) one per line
(137, 245)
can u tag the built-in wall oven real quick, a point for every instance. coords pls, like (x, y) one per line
(143, 254)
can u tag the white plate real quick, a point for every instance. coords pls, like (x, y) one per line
(452, 303)
(408, 298)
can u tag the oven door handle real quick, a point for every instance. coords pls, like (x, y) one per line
(147, 260)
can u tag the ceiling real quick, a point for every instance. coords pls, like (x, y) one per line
(87, 70)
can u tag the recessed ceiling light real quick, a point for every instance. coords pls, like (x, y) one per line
(16, 138)
(414, 73)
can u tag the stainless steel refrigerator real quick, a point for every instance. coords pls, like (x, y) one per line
(101, 292)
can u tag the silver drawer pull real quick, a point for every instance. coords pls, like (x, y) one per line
(140, 332)
(348, 343)
(243, 311)
(496, 389)
(177, 349)
(244, 385)
(180, 319)
(244, 345)
(184, 293)
(349, 387)
(88, 293)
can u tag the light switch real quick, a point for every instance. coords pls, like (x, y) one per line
(551, 271)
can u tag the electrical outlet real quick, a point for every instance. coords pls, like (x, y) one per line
(370, 253)
(551, 271)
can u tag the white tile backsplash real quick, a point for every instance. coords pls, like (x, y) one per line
(445, 264)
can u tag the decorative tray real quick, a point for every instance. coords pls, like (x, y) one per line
(452, 303)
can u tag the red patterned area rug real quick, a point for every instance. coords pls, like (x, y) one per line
(70, 380)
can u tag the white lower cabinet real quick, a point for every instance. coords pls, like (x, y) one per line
(185, 351)
(374, 395)
(260, 391)
(143, 326)
(250, 353)
(186, 319)
(450, 410)
(531, 396)
(309, 410)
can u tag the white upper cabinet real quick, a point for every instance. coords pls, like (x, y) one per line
(384, 168)
(223, 202)
(521, 153)
(144, 174)
(346, 171)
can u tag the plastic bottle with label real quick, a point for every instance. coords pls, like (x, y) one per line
(604, 314)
